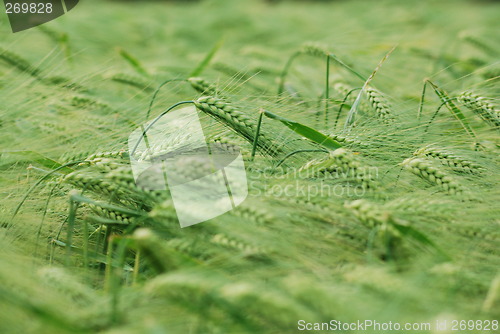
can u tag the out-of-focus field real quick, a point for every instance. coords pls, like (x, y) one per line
(366, 234)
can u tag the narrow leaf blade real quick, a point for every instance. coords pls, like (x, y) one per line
(134, 62)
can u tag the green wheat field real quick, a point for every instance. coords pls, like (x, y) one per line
(370, 132)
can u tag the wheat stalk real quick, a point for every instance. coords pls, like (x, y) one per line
(447, 159)
(225, 113)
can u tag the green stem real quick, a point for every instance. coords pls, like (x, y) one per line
(284, 73)
(342, 106)
(30, 190)
(71, 224)
(153, 123)
(421, 105)
(39, 232)
(347, 67)
(327, 88)
(85, 245)
(109, 267)
(156, 93)
(298, 151)
(436, 112)
(257, 132)
(454, 110)
(137, 262)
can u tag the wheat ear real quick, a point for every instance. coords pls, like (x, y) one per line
(447, 159)
(228, 115)
(434, 175)
(482, 106)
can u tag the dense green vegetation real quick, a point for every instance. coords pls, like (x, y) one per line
(395, 218)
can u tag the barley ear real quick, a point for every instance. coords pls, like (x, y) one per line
(257, 132)
(481, 106)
